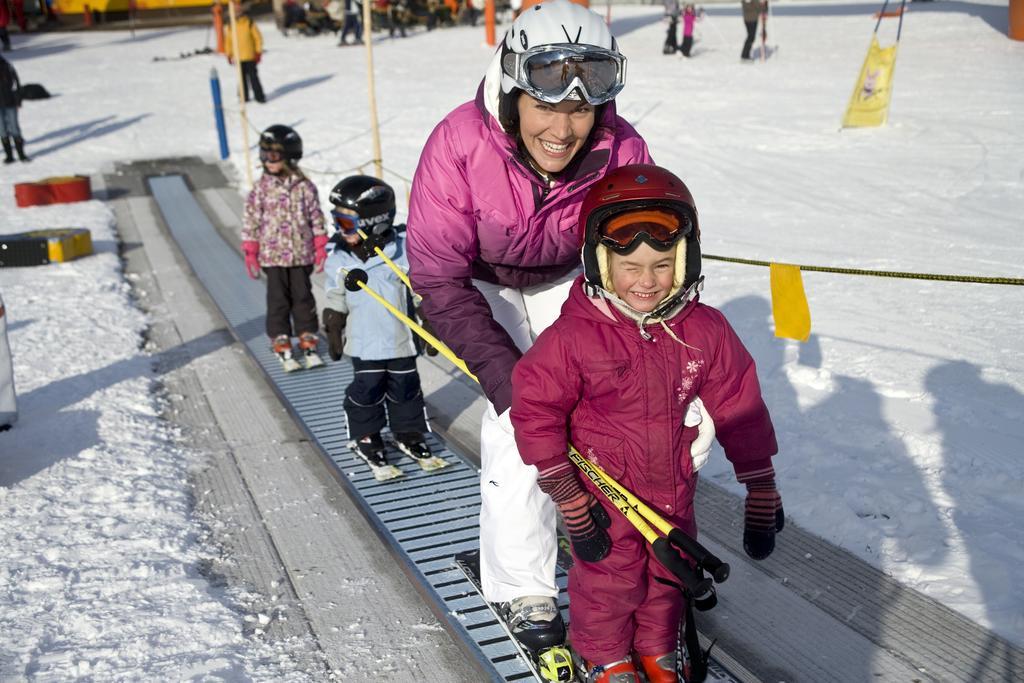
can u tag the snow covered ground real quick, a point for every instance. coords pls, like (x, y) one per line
(900, 421)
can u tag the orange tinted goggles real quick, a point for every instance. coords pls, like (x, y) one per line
(346, 223)
(658, 227)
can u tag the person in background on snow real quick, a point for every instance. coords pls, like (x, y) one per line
(8, 399)
(353, 8)
(617, 376)
(672, 17)
(5, 19)
(383, 350)
(752, 10)
(690, 17)
(10, 101)
(250, 51)
(17, 9)
(493, 250)
(283, 233)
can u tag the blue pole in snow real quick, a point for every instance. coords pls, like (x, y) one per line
(218, 114)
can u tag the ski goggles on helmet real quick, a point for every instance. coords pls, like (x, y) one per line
(271, 155)
(550, 73)
(661, 228)
(346, 222)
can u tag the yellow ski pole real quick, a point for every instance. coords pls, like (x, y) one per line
(719, 570)
(355, 280)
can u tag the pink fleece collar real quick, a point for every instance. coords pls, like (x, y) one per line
(601, 304)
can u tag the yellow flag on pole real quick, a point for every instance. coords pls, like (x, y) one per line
(789, 303)
(869, 104)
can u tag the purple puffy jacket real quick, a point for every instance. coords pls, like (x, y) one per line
(478, 211)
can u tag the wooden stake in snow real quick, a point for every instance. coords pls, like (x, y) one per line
(241, 93)
(378, 163)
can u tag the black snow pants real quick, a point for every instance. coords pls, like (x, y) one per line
(394, 383)
(670, 38)
(749, 42)
(290, 298)
(251, 78)
(687, 45)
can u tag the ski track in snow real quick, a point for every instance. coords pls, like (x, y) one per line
(900, 421)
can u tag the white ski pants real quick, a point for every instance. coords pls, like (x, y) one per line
(517, 520)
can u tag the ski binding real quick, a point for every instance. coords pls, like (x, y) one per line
(288, 361)
(382, 470)
(427, 461)
(311, 359)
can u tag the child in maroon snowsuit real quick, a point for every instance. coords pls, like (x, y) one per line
(618, 376)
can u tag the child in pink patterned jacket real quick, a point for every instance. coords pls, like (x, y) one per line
(283, 234)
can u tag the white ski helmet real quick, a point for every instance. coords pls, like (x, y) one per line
(559, 50)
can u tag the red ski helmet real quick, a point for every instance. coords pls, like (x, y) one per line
(634, 204)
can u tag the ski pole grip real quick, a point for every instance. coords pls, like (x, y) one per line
(355, 279)
(670, 558)
(719, 570)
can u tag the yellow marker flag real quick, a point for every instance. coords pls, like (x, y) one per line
(869, 104)
(789, 303)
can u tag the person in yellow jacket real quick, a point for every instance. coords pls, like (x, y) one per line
(250, 49)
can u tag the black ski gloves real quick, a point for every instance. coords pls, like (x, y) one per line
(334, 326)
(585, 519)
(762, 518)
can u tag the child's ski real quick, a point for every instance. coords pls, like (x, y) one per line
(288, 361)
(377, 462)
(552, 664)
(311, 359)
(427, 461)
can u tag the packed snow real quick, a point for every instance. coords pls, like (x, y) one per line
(900, 421)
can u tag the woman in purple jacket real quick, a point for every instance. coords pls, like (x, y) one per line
(493, 250)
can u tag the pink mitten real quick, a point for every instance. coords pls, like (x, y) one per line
(251, 249)
(320, 244)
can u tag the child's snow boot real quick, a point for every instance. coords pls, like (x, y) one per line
(413, 445)
(8, 151)
(374, 453)
(283, 350)
(307, 343)
(621, 671)
(660, 668)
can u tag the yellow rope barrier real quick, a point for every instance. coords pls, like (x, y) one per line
(879, 273)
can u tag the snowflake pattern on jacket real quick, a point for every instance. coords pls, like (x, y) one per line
(283, 214)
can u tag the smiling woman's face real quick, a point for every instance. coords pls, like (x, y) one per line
(554, 133)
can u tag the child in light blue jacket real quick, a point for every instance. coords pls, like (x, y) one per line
(386, 388)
